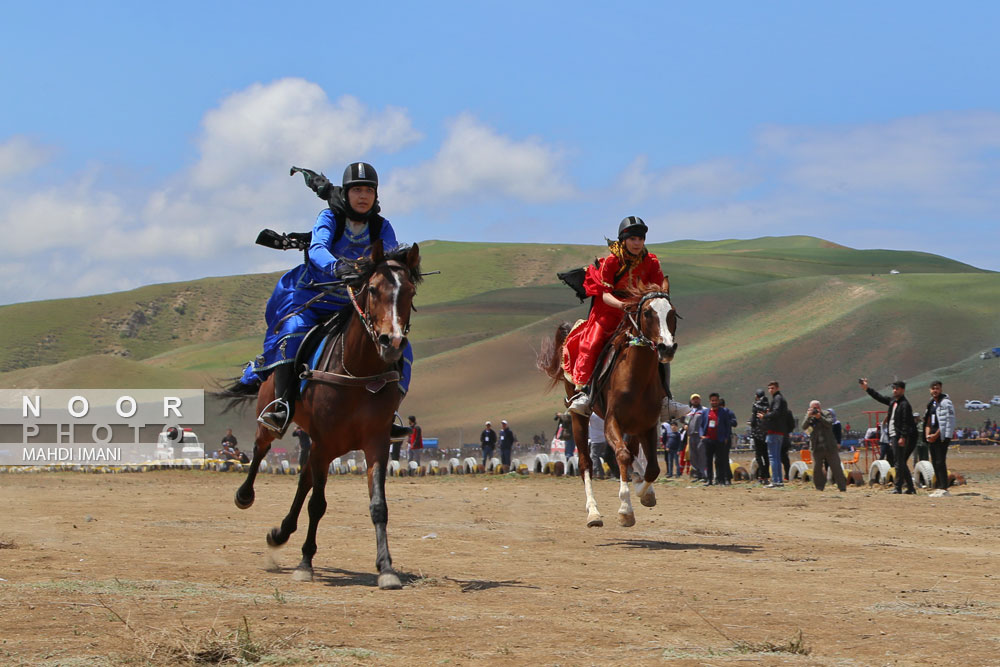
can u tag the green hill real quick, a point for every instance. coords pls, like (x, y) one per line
(811, 313)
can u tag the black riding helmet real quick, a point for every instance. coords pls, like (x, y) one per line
(631, 226)
(360, 173)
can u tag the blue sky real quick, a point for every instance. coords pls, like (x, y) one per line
(151, 143)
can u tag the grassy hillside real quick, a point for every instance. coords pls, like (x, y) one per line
(811, 313)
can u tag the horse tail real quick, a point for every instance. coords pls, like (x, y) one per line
(549, 359)
(237, 395)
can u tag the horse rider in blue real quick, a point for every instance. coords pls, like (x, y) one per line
(304, 298)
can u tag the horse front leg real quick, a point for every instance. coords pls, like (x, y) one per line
(594, 519)
(644, 489)
(261, 446)
(278, 536)
(379, 510)
(616, 439)
(317, 508)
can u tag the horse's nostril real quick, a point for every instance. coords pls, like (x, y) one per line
(384, 340)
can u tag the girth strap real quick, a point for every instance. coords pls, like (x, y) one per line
(373, 383)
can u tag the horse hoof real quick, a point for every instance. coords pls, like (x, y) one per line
(648, 500)
(274, 538)
(302, 574)
(243, 503)
(626, 520)
(388, 581)
(595, 521)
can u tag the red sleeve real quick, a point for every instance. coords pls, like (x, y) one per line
(600, 280)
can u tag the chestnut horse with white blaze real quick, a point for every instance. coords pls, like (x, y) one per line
(633, 393)
(350, 403)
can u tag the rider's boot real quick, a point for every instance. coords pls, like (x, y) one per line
(278, 413)
(580, 402)
(398, 431)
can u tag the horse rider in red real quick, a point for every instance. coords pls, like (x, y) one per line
(629, 264)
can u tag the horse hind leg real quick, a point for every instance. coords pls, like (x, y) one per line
(317, 508)
(594, 519)
(644, 488)
(276, 537)
(379, 510)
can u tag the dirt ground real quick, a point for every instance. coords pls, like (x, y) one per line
(155, 567)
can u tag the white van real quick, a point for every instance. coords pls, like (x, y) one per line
(172, 436)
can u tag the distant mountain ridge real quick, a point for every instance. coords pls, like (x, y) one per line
(810, 312)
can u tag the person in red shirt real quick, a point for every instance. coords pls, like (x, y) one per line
(628, 265)
(416, 441)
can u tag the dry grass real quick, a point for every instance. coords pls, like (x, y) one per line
(796, 646)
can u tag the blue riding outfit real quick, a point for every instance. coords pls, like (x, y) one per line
(340, 236)
(287, 320)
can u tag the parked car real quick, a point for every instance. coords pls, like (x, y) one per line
(191, 446)
(976, 405)
(995, 400)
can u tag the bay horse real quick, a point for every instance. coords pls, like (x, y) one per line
(632, 393)
(349, 402)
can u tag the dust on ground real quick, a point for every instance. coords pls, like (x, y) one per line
(161, 567)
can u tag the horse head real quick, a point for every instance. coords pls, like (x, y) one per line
(656, 319)
(390, 285)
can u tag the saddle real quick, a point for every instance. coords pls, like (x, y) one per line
(316, 351)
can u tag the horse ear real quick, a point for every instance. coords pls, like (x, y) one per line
(666, 284)
(413, 258)
(378, 254)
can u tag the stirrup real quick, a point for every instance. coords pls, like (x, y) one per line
(271, 413)
(398, 432)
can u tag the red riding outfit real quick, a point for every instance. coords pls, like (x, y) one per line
(585, 342)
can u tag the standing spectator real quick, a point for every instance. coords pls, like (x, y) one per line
(729, 443)
(305, 443)
(598, 446)
(759, 435)
(777, 421)
(885, 446)
(229, 439)
(487, 441)
(415, 442)
(507, 439)
(838, 428)
(673, 447)
(902, 430)
(939, 424)
(696, 451)
(564, 432)
(818, 423)
(715, 424)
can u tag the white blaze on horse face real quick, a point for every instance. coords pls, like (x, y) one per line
(397, 329)
(662, 308)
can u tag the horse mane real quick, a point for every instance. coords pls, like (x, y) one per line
(366, 267)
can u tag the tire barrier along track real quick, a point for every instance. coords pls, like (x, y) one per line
(879, 473)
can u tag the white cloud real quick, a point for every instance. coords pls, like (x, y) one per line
(713, 178)
(21, 155)
(474, 163)
(899, 176)
(927, 156)
(268, 127)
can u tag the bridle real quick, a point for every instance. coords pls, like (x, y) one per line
(364, 313)
(640, 339)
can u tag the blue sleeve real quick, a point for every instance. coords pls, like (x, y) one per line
(388, 236)
(322, 240)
